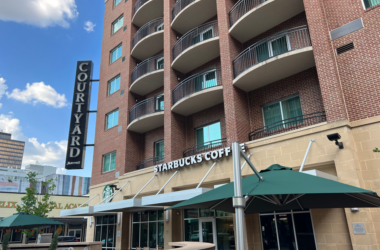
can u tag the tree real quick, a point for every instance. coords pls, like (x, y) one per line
(376, 150)
(54, 242)
(5, 242)
(30, 203)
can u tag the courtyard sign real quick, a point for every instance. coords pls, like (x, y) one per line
(79, 116)
(187, 161)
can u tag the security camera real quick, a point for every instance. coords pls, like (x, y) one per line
(335, 137)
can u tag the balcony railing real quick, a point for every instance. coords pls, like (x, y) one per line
(288, 125)
(147, 66)
(194, 36)
(242, 7)
(148, 29)
(146, 107)
(149, 162)
(198, 82)
(206, 147)
(179, 6)
(138, 4)
(280, 43)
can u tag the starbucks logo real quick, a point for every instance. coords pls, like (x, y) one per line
(107, 193)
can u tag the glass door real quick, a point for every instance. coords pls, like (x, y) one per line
(207, 231)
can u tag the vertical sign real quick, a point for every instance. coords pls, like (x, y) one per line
(79, 116)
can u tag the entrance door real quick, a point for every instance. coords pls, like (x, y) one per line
(207, 231)
(76, 232)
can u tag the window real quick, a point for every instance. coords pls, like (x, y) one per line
(288, 111)
(290, 230)
(109, 162)
(160, 63)
(207, 134)
(114, 85)
(159, 152)
(105, 231)
(148, 229)
(117, 24)
(205, 81)
(116, 53)
(160, 27)
(370, 3)
(112, 119)
(116, 2)
(203, 35)
(159, 102)
(272, 48)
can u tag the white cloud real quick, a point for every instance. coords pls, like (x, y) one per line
(61, 171)
(3, 88)
(41, 13)
(38, 92)
(89, 26)
(51, 153)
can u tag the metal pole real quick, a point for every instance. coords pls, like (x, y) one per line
(200, 183)
(144, 186)
(167, 182)
(249, 156)
(252, 167)
(238, 200)
(88, 200)
(307, 152)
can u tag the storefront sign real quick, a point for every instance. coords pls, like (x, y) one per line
(195, 159)
(107, 192)
(13, 204)
(79, 116)
(358, 228)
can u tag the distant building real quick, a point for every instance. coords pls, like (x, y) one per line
(11, 151)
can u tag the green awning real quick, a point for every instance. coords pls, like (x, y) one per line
(284, 189)
(25, 221)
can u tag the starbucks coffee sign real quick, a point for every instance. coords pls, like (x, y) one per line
(107, 193)
(194, 159)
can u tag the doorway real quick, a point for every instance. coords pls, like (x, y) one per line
(207, 231)
(76, 232)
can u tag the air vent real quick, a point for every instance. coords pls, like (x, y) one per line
(345, 48)
(123, 59)
(122, 92)
(125, 28)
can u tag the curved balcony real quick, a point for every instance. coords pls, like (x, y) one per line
(206, 147)
(288, 125)
(149, 162)
(196, 47)
(146, 115)
(149, 39)
(147, 10)
(274, 58)
(148, 75)
(188, 14)
(249, 18)
(198, 92)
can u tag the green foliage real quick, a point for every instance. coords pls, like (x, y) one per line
(30, 203)
(376, 150)
(5, 242)
(54, 242)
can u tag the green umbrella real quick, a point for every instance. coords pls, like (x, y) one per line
(25, 221)
(284, 189)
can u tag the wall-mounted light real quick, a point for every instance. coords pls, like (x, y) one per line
(136, 100)
(167, 215)
(177, 37)
(178, 78)
(91, 221)
(335, 137)
(118, 218)
(354, 209)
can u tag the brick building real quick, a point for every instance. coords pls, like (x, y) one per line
(180, 78)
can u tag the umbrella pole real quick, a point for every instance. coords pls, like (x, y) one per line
(238, 200)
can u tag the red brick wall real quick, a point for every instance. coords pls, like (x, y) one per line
(305, 84)
(149, 139)
(215, 63)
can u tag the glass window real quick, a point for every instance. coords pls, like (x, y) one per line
(148, 229)
(192, 230)
(370, 3)
(112, 119)
(289, 111)
(109, 164)
(116, 2)
(114, 85)
(272, 48)
(207, 134)
(117, 24)
(160, 27)
(159, 152)
(105, 231)
(160, 63)
(116, 53)
(206, 213)
(191, 213)
(205, 81)
(160, 102)
(226, 235)
(203, 35)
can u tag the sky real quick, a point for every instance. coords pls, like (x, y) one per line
(40, 44)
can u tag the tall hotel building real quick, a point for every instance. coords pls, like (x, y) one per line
(187, 77)
(11, 151)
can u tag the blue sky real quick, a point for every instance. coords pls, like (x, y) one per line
(40, 45)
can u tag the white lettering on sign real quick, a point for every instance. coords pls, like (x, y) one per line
(187, 161)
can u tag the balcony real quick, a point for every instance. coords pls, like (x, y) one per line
(148, 76)
(148, 40)
(274, 58)
(205, 147)
(288, 125)
(147, 10)
(198, 92)
(249, 18)
(149, 162)
(196, 47)
(188, 14)
(147, 115)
